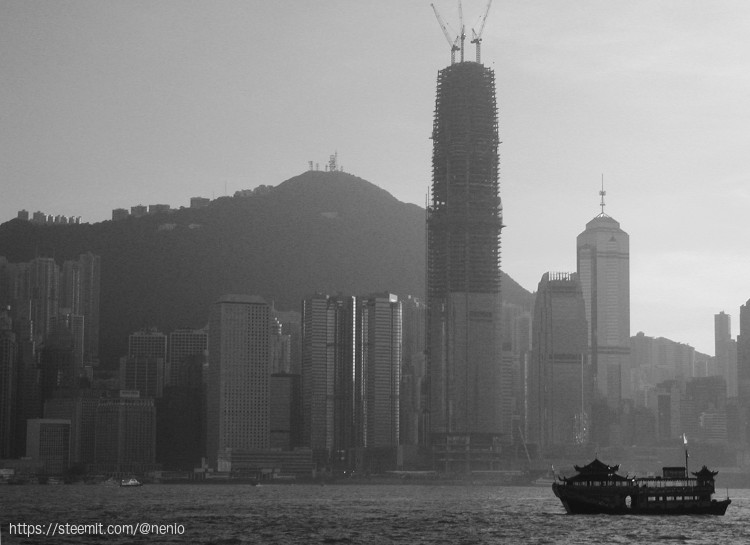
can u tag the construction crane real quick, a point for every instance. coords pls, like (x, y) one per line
(447, 34)
(463, 28)
(478, 35)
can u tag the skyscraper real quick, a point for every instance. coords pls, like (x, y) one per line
(464, 221)
(725, 352)
(8, 385)
(48, 442)
(330, 399)
(237, 400)
(144, 367)
(125, 436)
(351, 374)
(79, 293)
(380, 323)
(604, 272)
(187, 351)
(559, 387)
(743, 357)
(40, 294)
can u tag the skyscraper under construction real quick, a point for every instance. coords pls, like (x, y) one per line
(464, 221)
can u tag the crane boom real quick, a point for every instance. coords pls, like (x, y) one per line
(447, 34)
(484, 20)
(461, 28)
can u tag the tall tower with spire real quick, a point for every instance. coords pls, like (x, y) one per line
(603, 257)
(464, 220)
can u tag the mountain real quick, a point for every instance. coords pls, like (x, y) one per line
(317, 232)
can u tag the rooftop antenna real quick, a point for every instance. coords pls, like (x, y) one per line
(478, 35)
(602, 193)
(447, 33)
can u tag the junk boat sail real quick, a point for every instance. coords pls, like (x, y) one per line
(597, 488)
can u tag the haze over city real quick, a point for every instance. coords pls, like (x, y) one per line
(107, 105)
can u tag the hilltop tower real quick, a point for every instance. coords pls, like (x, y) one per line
(464, 221)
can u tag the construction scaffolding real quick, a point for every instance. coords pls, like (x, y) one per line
(465, 213)
(464, 222)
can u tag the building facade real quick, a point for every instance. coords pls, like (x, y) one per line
(559, 376)
(381, 327)
(187, 352)
(603, 257)
(48, 442)
(464, 221)
(725, 352)
(8, 385)
(125, 434)
(237, 399)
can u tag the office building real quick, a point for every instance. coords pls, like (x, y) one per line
(285, 412)
(40, 293)
(743, 356)
(351, 378)
(142, 373)
(48, 442)
(560, 385)
(381, 335)
(148, 343)
(79, 407)
(412, 427)
(125, 434)
(8, 382)
(237, 400)
(188, 350)
(603, 257)
(725, 351)
(57, 363)
(331, 381)
(464, 221)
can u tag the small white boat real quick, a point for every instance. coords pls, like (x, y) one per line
(131, 482)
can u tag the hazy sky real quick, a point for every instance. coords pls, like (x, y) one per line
(109, 104)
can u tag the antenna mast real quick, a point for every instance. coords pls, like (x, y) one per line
(602, 193)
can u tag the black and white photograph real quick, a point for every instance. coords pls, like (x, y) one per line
(354, 272)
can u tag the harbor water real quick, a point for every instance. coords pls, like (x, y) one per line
(338, 514)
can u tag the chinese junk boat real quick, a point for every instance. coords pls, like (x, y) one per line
(598, 489)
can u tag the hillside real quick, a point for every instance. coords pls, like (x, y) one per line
(320, 231)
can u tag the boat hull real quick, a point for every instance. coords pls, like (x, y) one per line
(630, 502)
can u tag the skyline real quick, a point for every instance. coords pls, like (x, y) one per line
(143, 103)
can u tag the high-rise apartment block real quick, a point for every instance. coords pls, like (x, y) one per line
(239, 375)
(604, 272)
(464, 221)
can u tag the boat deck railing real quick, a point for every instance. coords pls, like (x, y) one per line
(645, 482)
